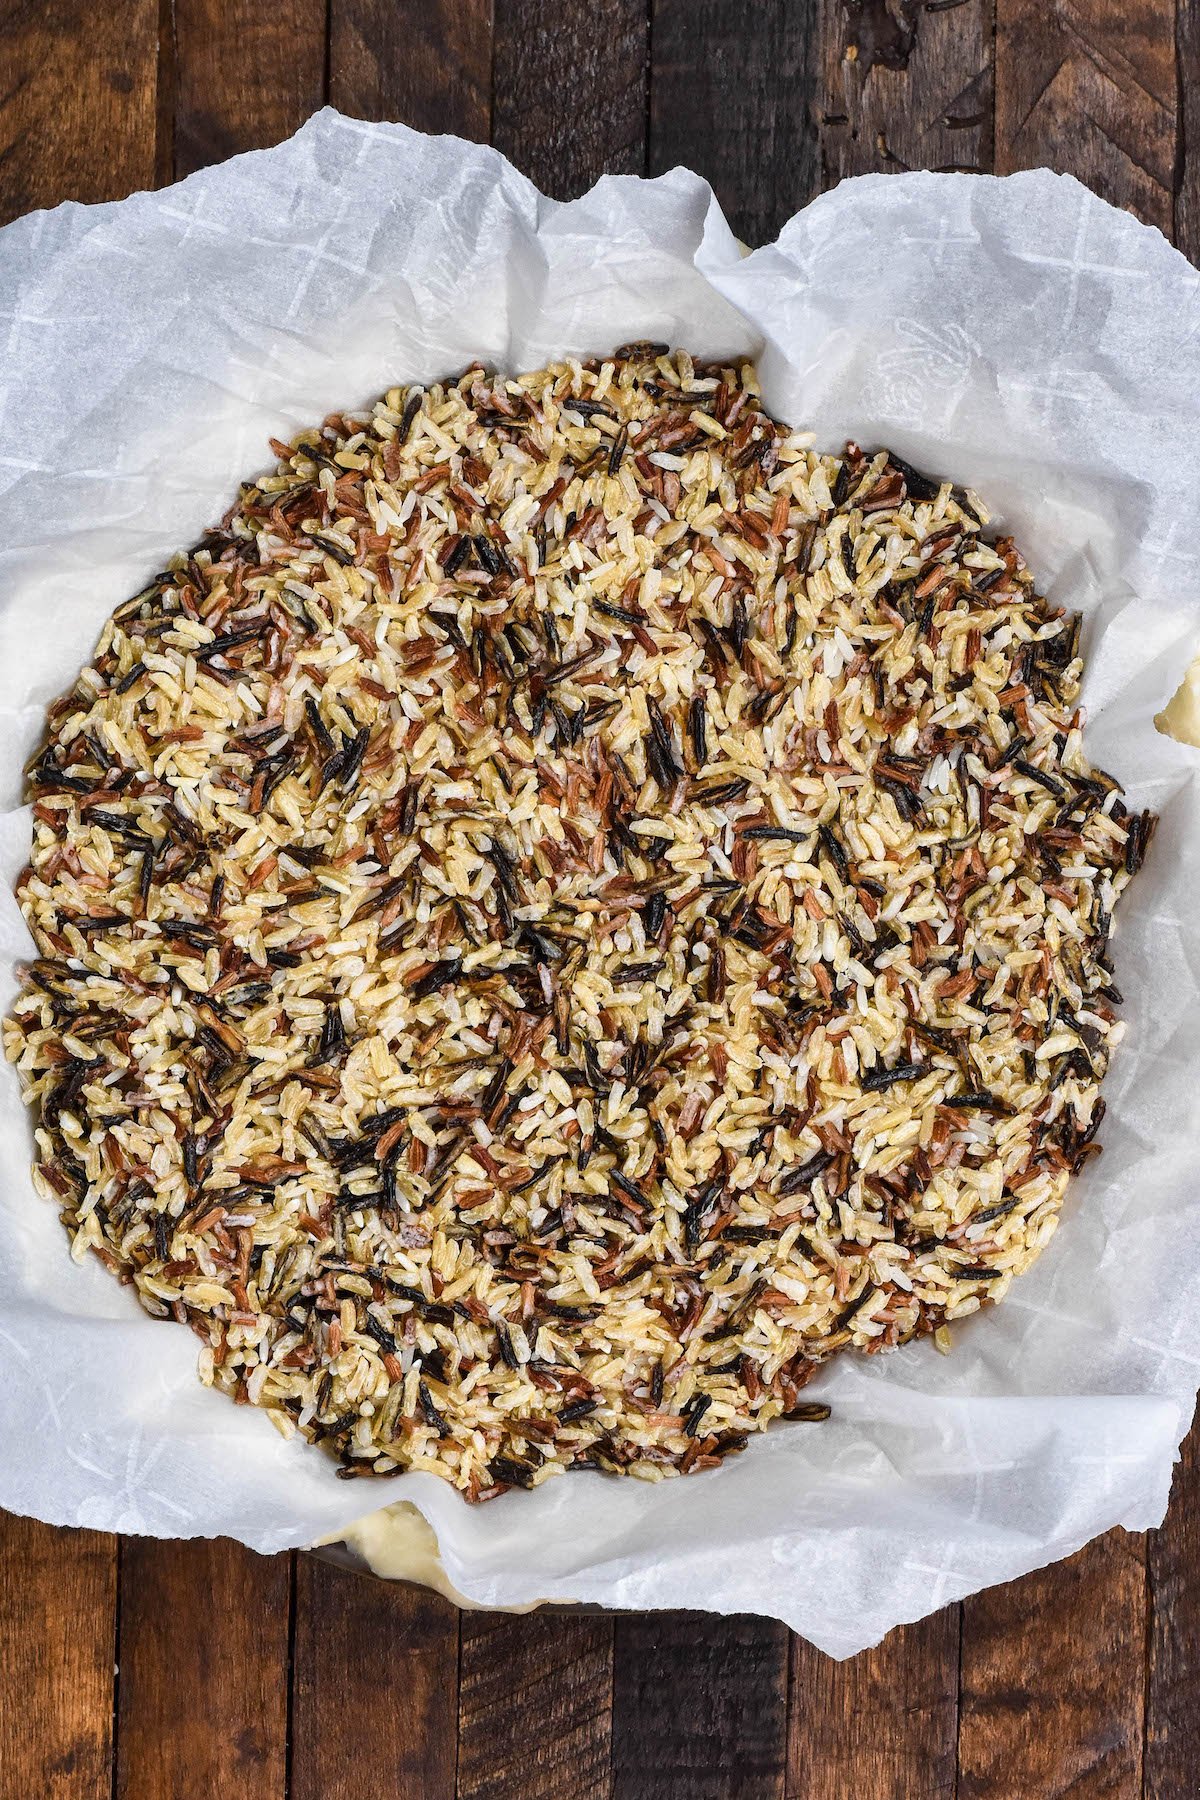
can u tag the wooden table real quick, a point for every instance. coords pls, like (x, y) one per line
(156, 1671)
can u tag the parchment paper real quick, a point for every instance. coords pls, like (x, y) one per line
(1019, 336)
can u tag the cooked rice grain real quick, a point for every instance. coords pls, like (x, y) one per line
(565, 911)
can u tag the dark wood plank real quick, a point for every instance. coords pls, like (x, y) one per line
(569, 90)
(58, 1617)
(246, 75)
(881, 1726)
(534, 1707)
(699, 1707)
(1089, 88)
(1173, 1673)
(374, 1688)
(77, 101)
(78, 121)
(202, 1693)
(1172, 1748)
(904, 86)
(735, 105)
(1053, 1672)
(1187, 195)
(427, 63)
(700, 1703)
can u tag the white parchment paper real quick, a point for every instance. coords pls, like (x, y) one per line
(1019, 336)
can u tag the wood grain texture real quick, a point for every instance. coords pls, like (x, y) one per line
(569, 90)
(904, 85)
(374, 1688)
(881, 1726)
(58, 1611)
(77, 101)
(1089, 87)
(534, 1707)
(246, 75)
(202, 1694)
(1052, 1680)
(1187, 165)
(736, 106)
(427, 63)
(1173, 1671)
(699, 1707)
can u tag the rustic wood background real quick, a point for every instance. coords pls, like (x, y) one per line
(156, 1671)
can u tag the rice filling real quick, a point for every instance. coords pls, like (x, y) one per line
(568, 909)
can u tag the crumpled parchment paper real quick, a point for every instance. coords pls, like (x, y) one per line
(1018, 336)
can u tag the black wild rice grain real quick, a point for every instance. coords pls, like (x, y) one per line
(878, 1079)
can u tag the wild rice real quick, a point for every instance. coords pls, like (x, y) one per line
(565, 911)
